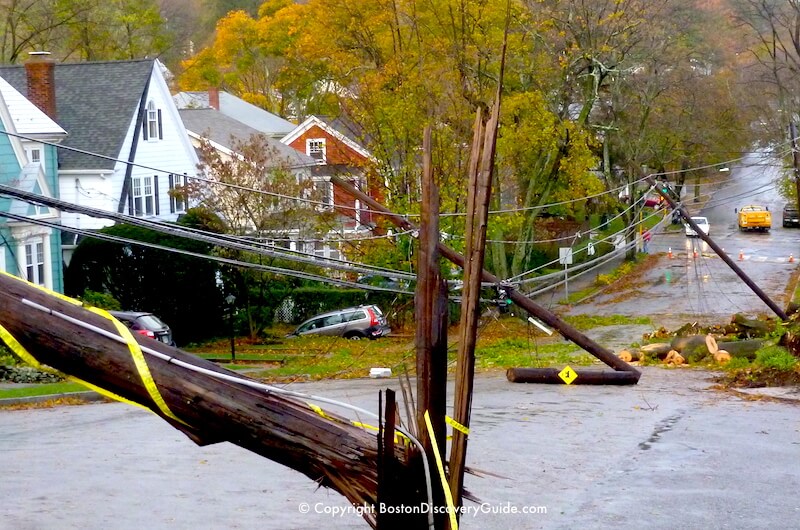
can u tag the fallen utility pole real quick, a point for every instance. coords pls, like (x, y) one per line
(515, 296)
(584, 377)
(716, 248)
(208, 403)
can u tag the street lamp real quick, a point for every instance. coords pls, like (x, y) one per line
(230, 299)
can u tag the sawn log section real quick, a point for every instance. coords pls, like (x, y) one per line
(328, 449)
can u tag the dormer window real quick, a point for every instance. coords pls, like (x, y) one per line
(34, 153)
(151, 125)
(315, 148)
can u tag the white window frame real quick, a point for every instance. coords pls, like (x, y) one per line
(176, 204)
(34, 151)
(139, 192)
(317, 145)
(36, 265)
(152, 121)
(326, 187)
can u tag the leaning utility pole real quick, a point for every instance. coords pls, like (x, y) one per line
(721, 253)
(795, 162)
(522, 301)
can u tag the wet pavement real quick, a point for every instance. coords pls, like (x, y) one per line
(667, 453)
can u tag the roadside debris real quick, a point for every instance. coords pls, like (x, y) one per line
(719, 343)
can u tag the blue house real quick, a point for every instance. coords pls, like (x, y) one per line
(30, 242)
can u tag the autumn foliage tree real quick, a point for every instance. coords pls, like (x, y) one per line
(594, 92)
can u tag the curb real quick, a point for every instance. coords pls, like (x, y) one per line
(88, 396)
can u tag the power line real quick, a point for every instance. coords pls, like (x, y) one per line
(177, 230)
(363, 210)
(219, 259)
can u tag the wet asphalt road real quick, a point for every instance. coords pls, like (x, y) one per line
(667, 453)
(695, 281)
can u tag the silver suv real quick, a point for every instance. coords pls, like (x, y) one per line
(365, 321)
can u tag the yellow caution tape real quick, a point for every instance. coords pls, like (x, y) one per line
(448, 497)
(398, 436)
(23, 354)
(133, 347)
(140, 362)
(457, 426)
(318, 410)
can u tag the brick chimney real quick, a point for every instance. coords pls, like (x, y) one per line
(41, 75)
(213, 98)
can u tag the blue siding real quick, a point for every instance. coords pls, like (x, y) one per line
(9, 172)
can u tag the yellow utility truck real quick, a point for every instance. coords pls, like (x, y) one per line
(754, 217)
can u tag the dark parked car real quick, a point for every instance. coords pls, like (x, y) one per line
(366, 321)
(791, 216)
(146, 324)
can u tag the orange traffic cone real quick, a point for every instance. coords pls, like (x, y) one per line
(694, 253)
(791, 258)
(741, 255)
(669, 252)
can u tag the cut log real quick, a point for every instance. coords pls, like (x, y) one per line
(692, 349)
(711, 344)
(742, 348)
(630, 355)
(585, 377)
(722, 357)
(687, 329)
(753, 327)
(658, 349)
(673, 357)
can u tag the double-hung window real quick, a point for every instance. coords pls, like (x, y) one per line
(315, 148)
(177, 197)
(152, 128)
(143, 192)
(34, 153)
(34, 262)
(323, 193)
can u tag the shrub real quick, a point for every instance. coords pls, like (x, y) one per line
(776, 357)
(101, 300)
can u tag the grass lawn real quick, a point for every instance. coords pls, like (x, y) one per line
(503, 343)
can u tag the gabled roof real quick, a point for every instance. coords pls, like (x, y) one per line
(238, 109)
(27, 118)
(221, 129)
(30, 180)
(96, 102)
(341, 135)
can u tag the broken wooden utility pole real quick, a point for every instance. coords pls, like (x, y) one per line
(716, 248)
(481, 167)
(431, 324)
(583, 377)
(208, 403)
(515, 296)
